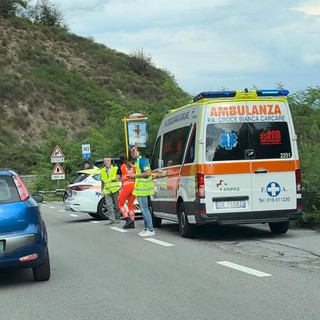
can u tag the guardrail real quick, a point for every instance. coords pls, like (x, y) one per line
(57, 191)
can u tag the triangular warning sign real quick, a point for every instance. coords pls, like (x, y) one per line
(57, 153)
(57, 169)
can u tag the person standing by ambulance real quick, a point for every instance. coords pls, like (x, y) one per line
(110, 189)
(125, 194)
(143, 188)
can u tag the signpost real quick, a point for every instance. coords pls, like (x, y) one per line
(57, 173)
(136, 133)
(86, 152)
(57, 155)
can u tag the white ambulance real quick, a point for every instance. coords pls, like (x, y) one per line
(228, 157)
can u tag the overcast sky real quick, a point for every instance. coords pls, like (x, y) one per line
(210, 44)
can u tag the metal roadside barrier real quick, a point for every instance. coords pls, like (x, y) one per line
(57, 191)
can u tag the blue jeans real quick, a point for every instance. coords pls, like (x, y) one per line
(147, 220)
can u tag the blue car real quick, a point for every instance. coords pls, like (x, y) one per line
(23, 234)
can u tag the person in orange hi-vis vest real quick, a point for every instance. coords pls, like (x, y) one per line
(125, 169)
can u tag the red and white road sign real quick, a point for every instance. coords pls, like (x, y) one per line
(57, 172)
(57, 155)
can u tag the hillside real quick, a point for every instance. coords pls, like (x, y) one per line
(51, 78)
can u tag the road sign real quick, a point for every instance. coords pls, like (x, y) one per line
(86, 152)
(57, 155)
(57, 172)
(135, 131)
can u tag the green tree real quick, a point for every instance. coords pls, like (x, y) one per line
(8, 7)
(140, 62)
(46, 12)
(305, 108)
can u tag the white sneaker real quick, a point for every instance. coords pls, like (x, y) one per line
(148, 233)
(142, 232)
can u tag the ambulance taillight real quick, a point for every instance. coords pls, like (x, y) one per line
(299, 189)
(298, 181)
(200, 192)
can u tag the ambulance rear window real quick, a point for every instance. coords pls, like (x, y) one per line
(243, 141)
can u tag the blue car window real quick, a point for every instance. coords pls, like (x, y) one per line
(8, 190)
(4, 191)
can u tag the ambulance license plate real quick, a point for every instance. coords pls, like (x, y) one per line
(230, 204)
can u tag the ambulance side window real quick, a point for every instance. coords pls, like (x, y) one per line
(155, 160)
(174, 144)
(190, 154)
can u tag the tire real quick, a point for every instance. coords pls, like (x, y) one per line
(155, 220)
(94, 215)
(65, 196)
(279, 227)
(102, 211)
(42, 271)
(185, 228)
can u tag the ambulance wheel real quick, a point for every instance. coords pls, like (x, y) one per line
(279, 227)
(185, 228)
(155, 220)
(102, 211)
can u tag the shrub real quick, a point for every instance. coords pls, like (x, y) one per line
(312, 219)
(140, 62)
(21, 122)
(10, 87)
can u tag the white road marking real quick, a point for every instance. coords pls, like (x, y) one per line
(244, 269)
(73, 215)
(162, 243)
(62, 210)
(118, 229)
(52, 207)
(95, 221)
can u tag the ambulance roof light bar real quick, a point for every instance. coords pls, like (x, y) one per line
(273, 92)
(232, 94)
(215, 94)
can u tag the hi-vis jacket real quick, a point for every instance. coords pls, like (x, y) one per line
(109, 185)
(143, 186)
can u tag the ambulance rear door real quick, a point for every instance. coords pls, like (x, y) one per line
(250, 157)
(273, 157)
(228, 182)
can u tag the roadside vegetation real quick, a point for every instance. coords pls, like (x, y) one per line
(57, 88)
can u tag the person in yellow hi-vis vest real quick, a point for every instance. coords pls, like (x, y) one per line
(143, 188)
(110, 189)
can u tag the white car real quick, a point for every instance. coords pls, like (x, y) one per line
(84, 195)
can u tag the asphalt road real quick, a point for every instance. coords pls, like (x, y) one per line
(100, 272)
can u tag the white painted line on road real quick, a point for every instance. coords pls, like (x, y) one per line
(95, 221)
(244, 269)
(118, 229)
(162, 243)
(52, 207)
(73, 215)
(62, 210)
